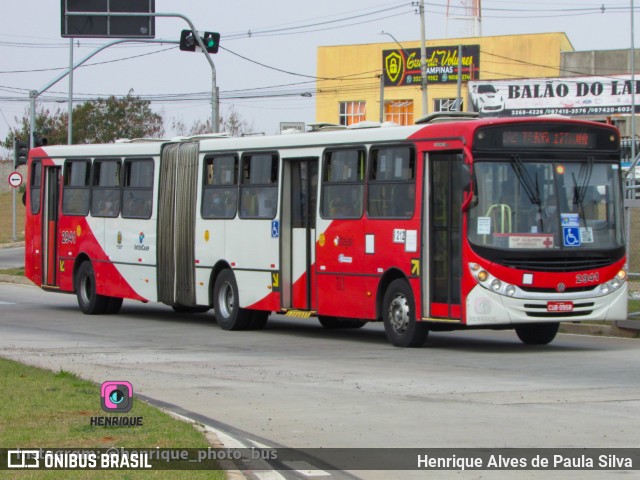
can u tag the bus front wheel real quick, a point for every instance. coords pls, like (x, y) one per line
(399, 316)
(225, 303)
(89, 301)
(537, 334)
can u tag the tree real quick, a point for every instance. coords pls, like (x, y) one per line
(51, 124)
(107, 120)
(235, 125)
(232, 124)
(102, 121)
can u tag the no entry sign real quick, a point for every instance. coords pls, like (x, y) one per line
(15, 179)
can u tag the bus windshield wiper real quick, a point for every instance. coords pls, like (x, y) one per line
(581, 186)
(530, 187)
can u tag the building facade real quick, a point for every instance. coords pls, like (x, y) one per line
(382, 81)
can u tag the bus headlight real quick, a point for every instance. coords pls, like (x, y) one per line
(615, 283)
(490, 282)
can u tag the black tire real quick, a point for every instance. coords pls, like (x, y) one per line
(89, 301)
(399, 316)
(114, 305)
(331, 323)
(258, 320)
(537, 333)
(225, 303)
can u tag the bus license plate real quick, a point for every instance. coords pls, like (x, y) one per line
(559, 306)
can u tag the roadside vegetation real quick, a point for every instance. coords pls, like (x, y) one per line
(39, 408)
(6, 216)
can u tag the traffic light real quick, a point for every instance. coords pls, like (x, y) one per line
(211, 41)
(20, 153)
(39, 140)
(188, 42)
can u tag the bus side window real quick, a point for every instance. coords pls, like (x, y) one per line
(35, 185)
(220, 189)
(343, 183)
(392, 188)
(77, 192)
(259, 186)
(137, 188)
(105, 196)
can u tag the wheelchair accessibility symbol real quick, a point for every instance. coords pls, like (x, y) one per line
(571, 236)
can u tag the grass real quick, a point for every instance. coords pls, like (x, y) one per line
(39, 408)
(6, 217)
(16, 272)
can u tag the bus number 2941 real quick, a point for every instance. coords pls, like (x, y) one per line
(587, 277)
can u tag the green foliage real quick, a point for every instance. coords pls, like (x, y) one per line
(107, 120)
(50, 123)
(102, 121)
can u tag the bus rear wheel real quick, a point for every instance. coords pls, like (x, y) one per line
(399, 316)
(225, 303)
(537, 333)
(89, 301)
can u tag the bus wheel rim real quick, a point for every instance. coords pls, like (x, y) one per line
(226, 300)
(399, 314)
(85, 289)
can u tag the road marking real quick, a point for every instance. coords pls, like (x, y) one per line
(6, 303)
(306, 469)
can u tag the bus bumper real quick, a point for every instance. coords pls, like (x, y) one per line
(485, 307)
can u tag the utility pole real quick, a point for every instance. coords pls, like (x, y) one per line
(423, 61)
(70, 107)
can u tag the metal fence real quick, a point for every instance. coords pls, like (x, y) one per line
(632, 214)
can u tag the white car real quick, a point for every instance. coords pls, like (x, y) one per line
(487, 99)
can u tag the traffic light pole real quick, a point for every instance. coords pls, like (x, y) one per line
(34, 94)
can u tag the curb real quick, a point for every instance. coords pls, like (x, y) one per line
(612, 330)
(11, 245)
(16, 280)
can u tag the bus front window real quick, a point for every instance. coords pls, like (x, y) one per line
(536, 205)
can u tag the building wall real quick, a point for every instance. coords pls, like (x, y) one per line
(602, 63)
(352, 72)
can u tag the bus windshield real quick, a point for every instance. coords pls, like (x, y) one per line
(538, 205)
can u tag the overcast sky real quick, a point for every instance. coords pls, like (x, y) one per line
(267, 48)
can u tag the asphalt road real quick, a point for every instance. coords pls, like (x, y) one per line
(297, 385)
(11, 257)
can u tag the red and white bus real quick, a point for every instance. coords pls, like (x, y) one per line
(443, 225)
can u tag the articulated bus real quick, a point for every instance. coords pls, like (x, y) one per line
(443, 225)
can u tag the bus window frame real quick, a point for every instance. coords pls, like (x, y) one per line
(68, 188)
(126, 178)
(223, 188)
(96, 187)
(394, 183)
(246, 186)
(35, 178)
(329, 185)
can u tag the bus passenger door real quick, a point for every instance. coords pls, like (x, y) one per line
(300, 191)
(51, 204)
(443, 231)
